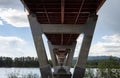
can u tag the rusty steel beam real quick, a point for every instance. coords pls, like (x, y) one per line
(79, 11)
(45, 11)
(62, 11)
(61, 39)
(47, 15)
(69, 39)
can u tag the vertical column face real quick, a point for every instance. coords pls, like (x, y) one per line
(40, 50)
(39, 44)
(70, 55)
(46, 72)
(78, 72)
(84, 51)
(53, 56)
(88, 34)
(80, 68)
(38, 40)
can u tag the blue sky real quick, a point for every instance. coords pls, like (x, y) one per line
(16, 38)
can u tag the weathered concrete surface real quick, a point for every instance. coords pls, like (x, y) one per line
(53, 56)
(39, 44)
(62, 72)
(62, 75)
(78, 72)
(70, 55)
(46, 71)
(39, 29)
(82, 58)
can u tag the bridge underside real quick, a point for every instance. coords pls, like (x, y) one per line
(62, 21)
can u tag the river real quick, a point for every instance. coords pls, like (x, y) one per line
(24, 72)
(20, 72)
(6, 72)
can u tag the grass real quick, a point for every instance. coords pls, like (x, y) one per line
(17, 75)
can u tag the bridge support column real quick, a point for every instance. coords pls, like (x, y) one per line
(52, 52)
(83, 55)
(62, 69)
(70, 55)
(70, 50)
(37, 32)
(80, 67)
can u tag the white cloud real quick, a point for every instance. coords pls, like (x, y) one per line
(15, 47)
(110, 45)
(14, 17)
(1, 23)
(113, 38)
(12, 12)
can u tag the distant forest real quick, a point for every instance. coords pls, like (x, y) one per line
(33, 62)
(19, 62)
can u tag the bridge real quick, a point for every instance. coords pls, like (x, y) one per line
(62, 21)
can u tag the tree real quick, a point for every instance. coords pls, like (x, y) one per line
(107, 69)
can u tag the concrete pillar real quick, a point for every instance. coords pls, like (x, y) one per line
(38, 40)
(52, 52)
(69, 58)
(80, 66)
(88, 34)
(70, 55)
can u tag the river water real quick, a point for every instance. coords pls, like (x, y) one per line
(6, 72)
(23, 72)
(20, 72)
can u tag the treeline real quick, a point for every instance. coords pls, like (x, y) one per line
(111, 62)
(33, 62)
(115, 63)
(19, 62)
(109, 68)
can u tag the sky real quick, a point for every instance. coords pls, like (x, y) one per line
(16, 38)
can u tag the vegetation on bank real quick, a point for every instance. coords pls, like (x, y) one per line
(33, 62)
(105, 69)
(109, 63)
(17, 75)
(19, 62)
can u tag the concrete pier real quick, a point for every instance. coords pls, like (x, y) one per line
(63, 52)
(62, 21)
(83, 55)
(37, 32)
